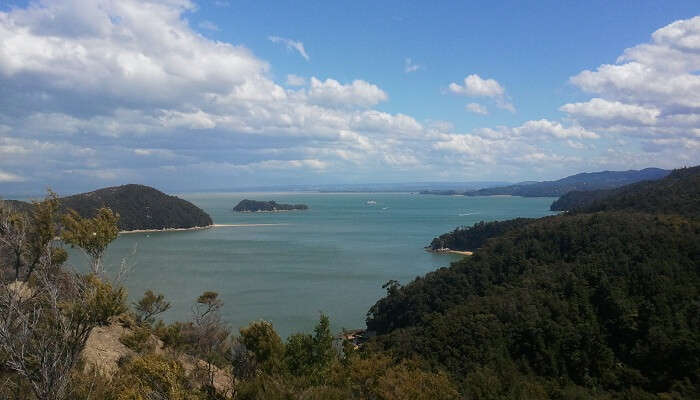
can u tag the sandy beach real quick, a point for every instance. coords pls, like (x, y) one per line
(464, 253)
(195, 228)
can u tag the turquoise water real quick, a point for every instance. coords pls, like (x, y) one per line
(332, 258)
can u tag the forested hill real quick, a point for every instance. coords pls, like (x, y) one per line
(246, 205)
(138, 206)
(471, 238)
(601, 304)
(582, 182)
(678, 193)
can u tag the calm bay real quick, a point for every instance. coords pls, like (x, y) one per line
(286, 267)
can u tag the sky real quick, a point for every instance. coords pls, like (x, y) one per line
(186, 96)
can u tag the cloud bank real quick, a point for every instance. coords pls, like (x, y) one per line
(107, 92)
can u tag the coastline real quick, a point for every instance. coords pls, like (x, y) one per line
(270, 211)
(194, 228)
(449, 251)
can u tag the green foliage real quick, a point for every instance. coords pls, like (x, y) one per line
(310, 355)
(599, 301)
(139, 339)
(26, 238)
(472, 238)
(265, 345)
(404, 382)
(246, 205)
(149, 306)
(678, 193)
(100, 301)
(298, 354)
(210, 299)
(323, 352)
(153, 377)
(92, 235)
(175, 335)
(139, 207)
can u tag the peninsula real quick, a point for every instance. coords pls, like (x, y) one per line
(246, 205)
(140, 208)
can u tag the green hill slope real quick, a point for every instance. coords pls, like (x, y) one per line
(138, 206)
(678, 193)
(596, 304)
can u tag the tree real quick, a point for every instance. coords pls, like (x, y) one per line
(210, 338)
(14, 237)
(45, 215)
(323, 343)
(150, 305)
(153, 377)
(91, 235)
(265, 344)
(26, 238)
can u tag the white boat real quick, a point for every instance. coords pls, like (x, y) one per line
(371, 202)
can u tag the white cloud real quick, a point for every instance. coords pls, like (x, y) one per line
(409, 66)
(476, 86)
(125, 89)
(294, 80)
(652, 92)
(477, 108)
(377, 121)
(661, 74)
(291, 45)
(8, 177)
(575, 145)
(601, 109)
(357, 93)
(556, 129)
(208, 25)
(163, 153)
(505, 104)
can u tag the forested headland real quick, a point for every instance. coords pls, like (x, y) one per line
(600, 303)
(139, 207)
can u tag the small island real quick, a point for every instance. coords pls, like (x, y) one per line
(266, 206)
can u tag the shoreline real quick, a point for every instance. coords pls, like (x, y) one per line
(270, 211)
(449, 251)
(194, 228)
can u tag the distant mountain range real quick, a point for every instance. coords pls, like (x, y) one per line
(139, 207)
(581, 182)
(678, 193)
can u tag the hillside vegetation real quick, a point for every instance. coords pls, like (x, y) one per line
(138, 206)
(598, 304)
(246, 205)
(471, 238)
(679, 193)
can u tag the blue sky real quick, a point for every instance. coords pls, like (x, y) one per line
(196, 95)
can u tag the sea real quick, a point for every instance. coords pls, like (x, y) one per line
(288, 267)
